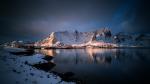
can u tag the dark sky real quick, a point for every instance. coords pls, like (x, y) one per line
(35, 19)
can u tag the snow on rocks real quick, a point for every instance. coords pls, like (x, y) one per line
(66, 39)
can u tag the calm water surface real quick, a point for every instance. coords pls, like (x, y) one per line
(95, 66)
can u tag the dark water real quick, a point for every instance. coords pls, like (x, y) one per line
(100, 66)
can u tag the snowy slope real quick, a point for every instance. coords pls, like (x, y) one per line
(99, 38)
(73, 37)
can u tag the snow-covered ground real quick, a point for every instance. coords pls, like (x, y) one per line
(17, 70)
(87, 66)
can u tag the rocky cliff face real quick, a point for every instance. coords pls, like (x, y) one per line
(99, 38)
(49, 41)
(102, 38)
(73, 38)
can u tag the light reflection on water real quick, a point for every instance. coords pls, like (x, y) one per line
(103, 65)
(79, 56)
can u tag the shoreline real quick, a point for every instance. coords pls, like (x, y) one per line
(47, 48)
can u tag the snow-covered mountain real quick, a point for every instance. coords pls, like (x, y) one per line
(99, 38)
(77, 39)
(137, 40)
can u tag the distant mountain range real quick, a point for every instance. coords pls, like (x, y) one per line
(102, 38)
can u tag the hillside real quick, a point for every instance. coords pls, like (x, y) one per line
(102, 38)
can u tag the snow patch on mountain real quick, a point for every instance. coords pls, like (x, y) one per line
(99, 38)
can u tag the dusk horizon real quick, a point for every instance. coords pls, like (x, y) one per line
(36, 19)
(75, 42)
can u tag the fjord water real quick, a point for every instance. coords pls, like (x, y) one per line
(84, 66)
(98, 66)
